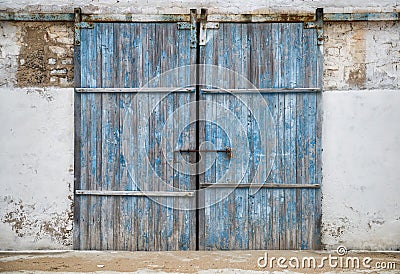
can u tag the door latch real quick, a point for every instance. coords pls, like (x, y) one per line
(227, 150)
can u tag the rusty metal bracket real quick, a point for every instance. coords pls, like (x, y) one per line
(227, 150)
(80, 25)
(319, 19)
(85, 25)
(204, 25)
(77, 29)
(190, 26)
(318, 24)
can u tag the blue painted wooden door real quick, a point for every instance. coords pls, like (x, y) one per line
(125, 139)
(228, 160)
(260, 105)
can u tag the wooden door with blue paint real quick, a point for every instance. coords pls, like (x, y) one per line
(129, 188)
(176, 156)
(260, 92)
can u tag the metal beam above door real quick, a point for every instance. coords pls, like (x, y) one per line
(243, 18)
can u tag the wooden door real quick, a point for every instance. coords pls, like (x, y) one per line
(174, 155)
(265, 106)
(130, 193)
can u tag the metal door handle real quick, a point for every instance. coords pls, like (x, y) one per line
(227, 150)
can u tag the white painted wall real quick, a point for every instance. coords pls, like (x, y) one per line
(36, 170)
(361, 185)
(361, 135)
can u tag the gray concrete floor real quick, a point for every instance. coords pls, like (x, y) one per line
(199, 262)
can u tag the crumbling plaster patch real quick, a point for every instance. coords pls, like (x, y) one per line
(10, 43)
(46, 55)
(362, 55)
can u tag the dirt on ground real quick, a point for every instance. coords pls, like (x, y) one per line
(200, 262)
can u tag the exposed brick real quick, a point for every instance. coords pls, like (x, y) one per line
(68, 61)
(52, 61)
(58, 71)
(45, 46)
(58, 50)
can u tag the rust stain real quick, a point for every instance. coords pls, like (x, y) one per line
(356, 77)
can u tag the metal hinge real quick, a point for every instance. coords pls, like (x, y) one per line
(190, 26)
(80, 25)
(318, 24)
(85, 25)
(204, 25)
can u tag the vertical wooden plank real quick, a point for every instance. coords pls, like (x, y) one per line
(153, 148)
(125, 240)
(109, 136)
(93, 114)
(240, 233)
(164, 112)
(80, 203)
(142, 172)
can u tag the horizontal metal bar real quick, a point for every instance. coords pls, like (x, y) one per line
(262, 90)
(205, 150)
(84, 25)
(136, 17)
(44, 17)
(136, 193)
(259, 18)
(220, 18)
(374, 16)
(222, 185)
(134, 90)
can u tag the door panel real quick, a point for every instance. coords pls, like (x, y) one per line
(141, 143)
(121, 142)
(282, 130)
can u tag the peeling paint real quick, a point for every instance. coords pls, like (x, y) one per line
(36, 175)
(10, 43)
(22, 217)
(362, 55)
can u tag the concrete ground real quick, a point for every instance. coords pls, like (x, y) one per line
(200, 262)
